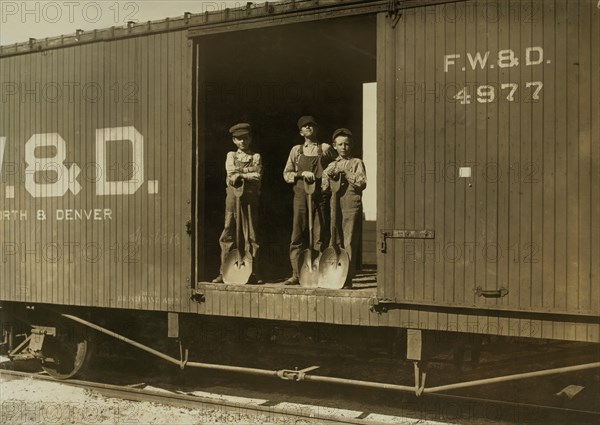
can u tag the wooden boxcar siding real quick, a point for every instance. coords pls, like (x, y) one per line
(528, 219)
(353, 308)
(139, 258)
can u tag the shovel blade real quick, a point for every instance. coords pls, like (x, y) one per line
(333, 268)
(237, 268)
(309, 269)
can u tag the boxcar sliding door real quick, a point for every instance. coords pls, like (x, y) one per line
(488, 147)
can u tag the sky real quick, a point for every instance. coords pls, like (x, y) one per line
(21, 20)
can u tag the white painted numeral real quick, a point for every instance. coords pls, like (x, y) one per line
(538, 85)
(464, 98)
(511, 93)
(486, 94)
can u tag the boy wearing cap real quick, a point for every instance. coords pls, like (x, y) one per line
(353, 181)
(246, 165)
(306, 162)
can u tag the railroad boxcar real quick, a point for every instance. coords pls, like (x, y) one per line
(483, 208)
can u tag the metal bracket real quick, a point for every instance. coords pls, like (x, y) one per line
(393, 12)
(403, 234)
(43, 330)
(381, 305)
(420, 376)
(491, 293)
(295, 375)
(183, 356)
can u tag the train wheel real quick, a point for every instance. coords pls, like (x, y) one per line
(65, 355)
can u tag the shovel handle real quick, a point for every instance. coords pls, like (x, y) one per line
(310, 219)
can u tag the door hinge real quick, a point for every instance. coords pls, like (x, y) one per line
(403, 234)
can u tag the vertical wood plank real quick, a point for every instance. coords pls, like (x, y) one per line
(572, 157)
(595, 163)
(312, 308)
(449, 165)
(430, 100)
(396, 160)
(534, 254)
(418, 141)
(386, 51)
(560, 189)
(286, 312)
(472, 146)
(515, 166)
(549, 158)
(406, 157)
(320, 309)
(584, 237)
(254, 305)
(442, 85)
(328, 310)
(346, 310)
(526, 171)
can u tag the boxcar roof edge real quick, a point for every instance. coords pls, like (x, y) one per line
(190, 21)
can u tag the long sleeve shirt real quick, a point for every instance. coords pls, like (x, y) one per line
(290, 172)
(249, 166)
(354, 169)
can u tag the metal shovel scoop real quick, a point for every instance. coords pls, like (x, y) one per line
(334, 262)
(237, 268)
(309, 258)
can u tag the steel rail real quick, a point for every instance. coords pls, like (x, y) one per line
(182, 399)
(195, 402)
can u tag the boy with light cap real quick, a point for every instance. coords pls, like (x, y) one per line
(353, 177)
(306, 162)
(247, 165)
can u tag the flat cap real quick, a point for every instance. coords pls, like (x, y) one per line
(240, 129)
(306, 119)
(341, 132)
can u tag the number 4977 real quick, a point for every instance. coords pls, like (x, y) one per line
(487, 93)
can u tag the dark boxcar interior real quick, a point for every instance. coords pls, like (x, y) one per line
(269, 77)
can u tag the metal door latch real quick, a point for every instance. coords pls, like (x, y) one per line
(403, 234)
(491, 293)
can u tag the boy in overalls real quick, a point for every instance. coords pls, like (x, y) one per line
(306, 162)
(354, 180)
(246, 165)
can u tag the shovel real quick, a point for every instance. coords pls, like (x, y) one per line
(237, 268)
(309, 258)
(335, 262)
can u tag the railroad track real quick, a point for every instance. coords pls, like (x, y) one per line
(423, 410)
(197, 402)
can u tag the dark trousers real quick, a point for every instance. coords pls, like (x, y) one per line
(249, 219)
(300, 239)
(348, 220)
